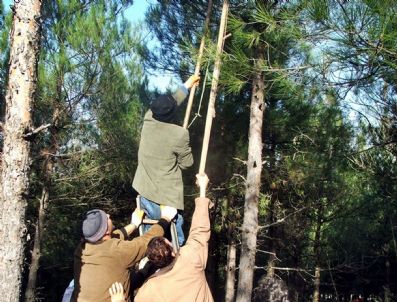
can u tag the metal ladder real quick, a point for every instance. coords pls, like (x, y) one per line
(174, 235)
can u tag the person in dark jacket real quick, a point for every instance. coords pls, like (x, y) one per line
(164, 151)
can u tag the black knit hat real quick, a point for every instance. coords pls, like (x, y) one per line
(164, 108)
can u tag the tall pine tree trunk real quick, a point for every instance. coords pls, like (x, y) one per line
(24, 38)
(249, 229)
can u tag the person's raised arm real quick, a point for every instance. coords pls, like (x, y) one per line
(126, 231)
(133, 251)
(200, 233)
(193, 80)
(181, 93)
(202, 182)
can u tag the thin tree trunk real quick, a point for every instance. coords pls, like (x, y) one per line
(316, 293)
(25, 38)
(386, 287)
(393, 236)
(230, 271)
(213, 255)
(45, 195)
(36, 253)
(271, 232)
(317, 273)
(231, 256)
(249, 228)
(39, 229)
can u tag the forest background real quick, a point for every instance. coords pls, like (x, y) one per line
(326, 209)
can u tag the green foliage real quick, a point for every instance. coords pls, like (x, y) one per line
(5, 25)
(319, 10)
(259, 29)
(328, 183)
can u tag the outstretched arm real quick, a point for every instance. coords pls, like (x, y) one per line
(126, 231)
(181, 93)
(133, 251)
(199, 234)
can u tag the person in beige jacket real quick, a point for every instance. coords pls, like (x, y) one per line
(164, 151)
(181, 277)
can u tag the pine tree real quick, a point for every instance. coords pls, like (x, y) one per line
(89, 85)
(21, 88)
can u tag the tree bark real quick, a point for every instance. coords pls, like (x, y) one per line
(316, 293)
(36, 253)
(386, 288)
(25, 38)
(230, 271)
(317, 251)
(271, 233)
(249, 228)
(231, 257)
(39, 229)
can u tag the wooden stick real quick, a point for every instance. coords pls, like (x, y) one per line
(198, 65)
(214, 86)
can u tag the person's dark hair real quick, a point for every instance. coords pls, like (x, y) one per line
(159, 252)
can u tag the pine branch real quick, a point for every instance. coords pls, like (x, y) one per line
(35, 131)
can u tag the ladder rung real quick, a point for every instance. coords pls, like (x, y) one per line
(149, 221)
(174, 235)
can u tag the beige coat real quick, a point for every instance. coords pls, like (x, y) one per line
(164, 150)
(185, 279)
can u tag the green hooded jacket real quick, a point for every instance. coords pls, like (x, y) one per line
(164, 151)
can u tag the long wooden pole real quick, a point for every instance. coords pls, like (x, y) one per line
(214, 86)
(198, 64)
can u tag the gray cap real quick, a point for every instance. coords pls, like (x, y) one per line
(95, 225)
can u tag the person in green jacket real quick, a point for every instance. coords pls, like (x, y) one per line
(164, 151)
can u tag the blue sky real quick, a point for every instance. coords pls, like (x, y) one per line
(136, 14)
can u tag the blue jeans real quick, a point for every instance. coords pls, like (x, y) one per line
(152, 211)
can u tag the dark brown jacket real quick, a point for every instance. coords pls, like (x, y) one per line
(98, 265)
